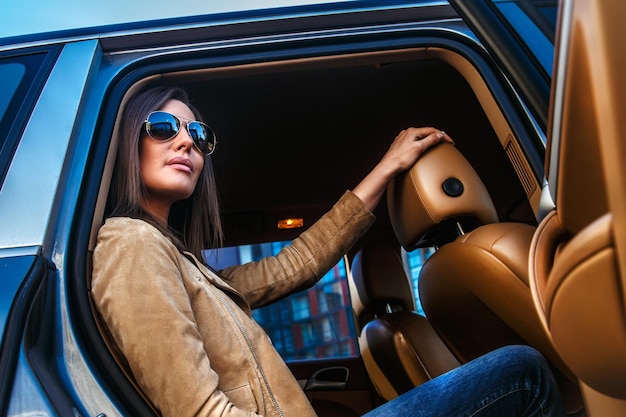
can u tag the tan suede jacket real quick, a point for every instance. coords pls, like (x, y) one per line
(186, 332)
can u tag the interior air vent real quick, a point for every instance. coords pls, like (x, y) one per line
(523, 172)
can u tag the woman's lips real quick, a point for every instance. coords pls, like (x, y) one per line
(183, 164)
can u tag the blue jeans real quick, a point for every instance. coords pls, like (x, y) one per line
(511, 381)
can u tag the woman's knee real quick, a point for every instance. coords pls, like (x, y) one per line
(520, 355)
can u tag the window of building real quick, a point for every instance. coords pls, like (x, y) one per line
(300, 307)
(309, 337)
(327, 330)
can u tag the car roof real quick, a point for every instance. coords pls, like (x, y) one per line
(26, 17)
(32, 20)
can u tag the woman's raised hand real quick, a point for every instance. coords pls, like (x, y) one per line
(403, 152)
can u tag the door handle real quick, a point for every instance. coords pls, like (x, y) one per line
(333, 378)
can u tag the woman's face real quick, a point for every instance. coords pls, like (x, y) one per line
(170, 169)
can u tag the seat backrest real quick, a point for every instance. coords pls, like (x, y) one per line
(399, 348)
(578, 256)
(381, 285)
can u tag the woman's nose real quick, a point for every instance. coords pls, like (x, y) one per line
(182, 139)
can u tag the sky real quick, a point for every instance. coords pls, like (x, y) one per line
(20, 17)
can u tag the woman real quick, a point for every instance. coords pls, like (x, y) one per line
(185, 331)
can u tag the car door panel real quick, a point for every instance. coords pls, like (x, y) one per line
(337, 386)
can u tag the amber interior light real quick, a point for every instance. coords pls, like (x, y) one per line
(291, 223)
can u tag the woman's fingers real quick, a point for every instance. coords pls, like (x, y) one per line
(406, 148)
(428, 133)
(410, 143)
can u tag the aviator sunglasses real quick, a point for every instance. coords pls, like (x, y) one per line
(163, 126)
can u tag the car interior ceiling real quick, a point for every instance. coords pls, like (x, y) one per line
(293, 136)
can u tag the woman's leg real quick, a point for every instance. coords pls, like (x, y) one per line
(509, 382)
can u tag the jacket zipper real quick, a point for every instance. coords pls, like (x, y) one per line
(249, 343)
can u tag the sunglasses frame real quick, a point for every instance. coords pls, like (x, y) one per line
(179, 122)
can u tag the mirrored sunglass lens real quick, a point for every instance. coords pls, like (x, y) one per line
(203, 137)
(162, 126)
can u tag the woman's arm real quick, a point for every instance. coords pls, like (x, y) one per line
(402, 154)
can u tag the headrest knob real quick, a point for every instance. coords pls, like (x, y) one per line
(452, 187)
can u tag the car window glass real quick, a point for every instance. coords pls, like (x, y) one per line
(315, 323)
(534, 21)
(414, 261)
(20, 85)
(11, 74)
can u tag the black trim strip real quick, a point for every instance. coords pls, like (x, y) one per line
(14, 330)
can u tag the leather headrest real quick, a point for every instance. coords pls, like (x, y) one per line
(441, 185)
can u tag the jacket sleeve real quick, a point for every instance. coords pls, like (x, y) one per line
(307, 259)
(139, 292)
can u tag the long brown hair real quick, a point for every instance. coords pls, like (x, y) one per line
(194, 224)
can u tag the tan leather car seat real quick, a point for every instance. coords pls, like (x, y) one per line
(400, 349)
(475, 287)
(578, 256)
